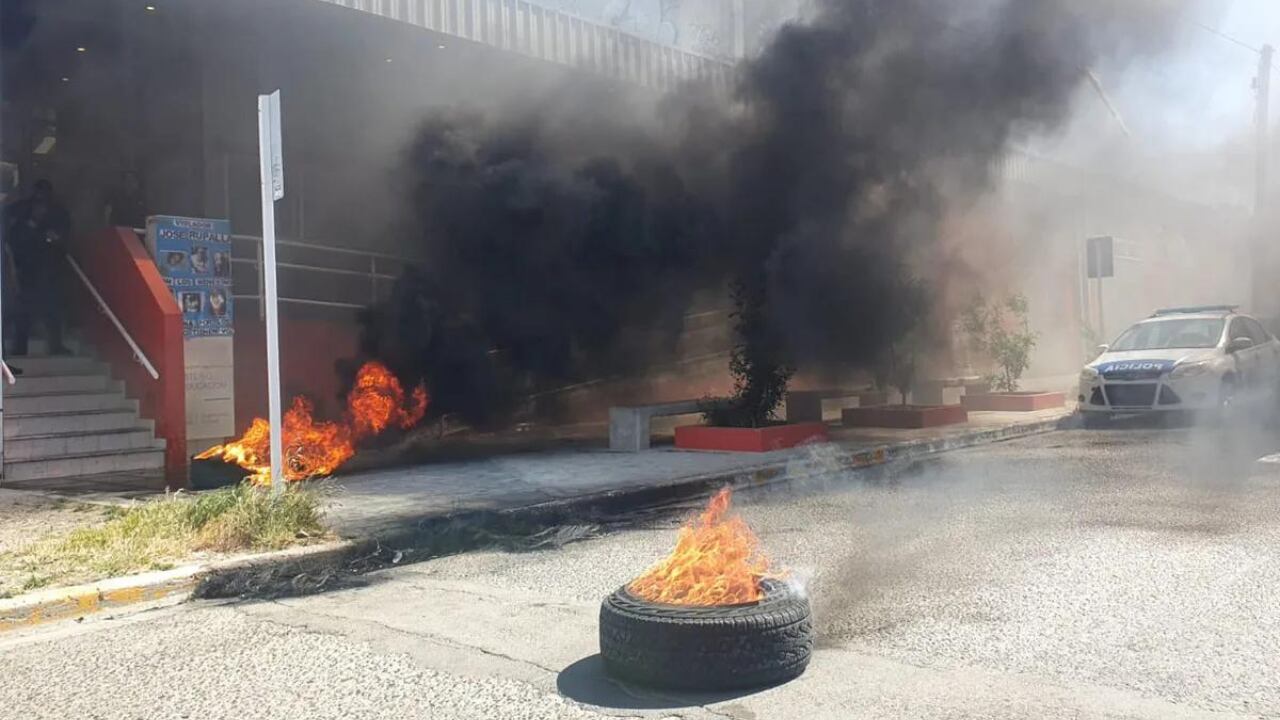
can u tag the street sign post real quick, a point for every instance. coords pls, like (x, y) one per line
(277, 147)
(271, 152)
(1100, 252)
(1100, 262)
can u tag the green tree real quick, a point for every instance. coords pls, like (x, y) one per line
(758, 364)
(902, 362)
(1002, 331)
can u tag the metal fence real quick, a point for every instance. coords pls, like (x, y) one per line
(315, 275)
(554, 36)
(318, 276)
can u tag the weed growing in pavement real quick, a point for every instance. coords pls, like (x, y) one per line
(251, 519)
(156, 534)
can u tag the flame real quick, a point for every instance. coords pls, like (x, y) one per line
(317, 448)
(377, 402)
(717, 561)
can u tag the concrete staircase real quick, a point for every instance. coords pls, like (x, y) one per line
(66, 417)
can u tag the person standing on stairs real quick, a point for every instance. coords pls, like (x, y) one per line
(127, 206)
(37, 229)
(10, 283)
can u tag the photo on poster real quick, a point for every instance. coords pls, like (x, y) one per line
(200, 260)
(192, 303)
(175, 260)
(218, 303)
(222, 264)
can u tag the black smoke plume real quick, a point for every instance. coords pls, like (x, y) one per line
(544, 263)
(566, 242)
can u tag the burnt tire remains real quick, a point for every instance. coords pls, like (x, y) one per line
(707, 648)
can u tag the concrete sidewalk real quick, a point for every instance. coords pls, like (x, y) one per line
(379, 502)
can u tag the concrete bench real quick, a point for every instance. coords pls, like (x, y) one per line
(629, 424)
(944, 391)
(806, 405)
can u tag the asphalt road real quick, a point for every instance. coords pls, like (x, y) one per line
(1123, 574)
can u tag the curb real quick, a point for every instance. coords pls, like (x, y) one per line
(179, 584)
(80, 600)
(309, 569)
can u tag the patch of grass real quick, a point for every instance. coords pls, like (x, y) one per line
(157, 534)
(252, 519)
(35, 582)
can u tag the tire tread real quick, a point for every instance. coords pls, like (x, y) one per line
(707, 648)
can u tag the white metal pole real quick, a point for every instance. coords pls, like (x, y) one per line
(1263, 125)
(739, 14)
(1102, 319)
(267, 154)
(1262, 253)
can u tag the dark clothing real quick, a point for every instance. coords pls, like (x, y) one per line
(11, 308)
(127, 210)
(40, 297)
(37, 232)
(37, 235)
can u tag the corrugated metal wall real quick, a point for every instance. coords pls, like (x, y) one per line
(553, 36)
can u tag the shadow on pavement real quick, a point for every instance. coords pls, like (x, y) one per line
(585, 682)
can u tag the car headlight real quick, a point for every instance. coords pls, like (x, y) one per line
(1088, 375)
(1190, 370)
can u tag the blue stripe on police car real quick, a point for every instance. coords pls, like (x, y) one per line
(1132, 366)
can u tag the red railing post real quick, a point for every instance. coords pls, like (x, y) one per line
(126, 278)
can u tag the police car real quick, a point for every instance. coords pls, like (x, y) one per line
(1183, 359)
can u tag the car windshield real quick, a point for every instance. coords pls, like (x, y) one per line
(1168, 334)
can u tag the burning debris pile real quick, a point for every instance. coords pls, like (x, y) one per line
(312, 448)
(568, 239)
(716, 561)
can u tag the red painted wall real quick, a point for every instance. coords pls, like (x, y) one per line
(119, 267)
(309, 350)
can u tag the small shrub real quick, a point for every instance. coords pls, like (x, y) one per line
(899, 360)
(901, 364)
(1002, 331)
(758, 366)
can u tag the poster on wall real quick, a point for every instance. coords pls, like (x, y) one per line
(194, 259)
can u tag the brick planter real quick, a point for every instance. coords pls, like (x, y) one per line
(905, 416)
(765, 439)
(1014, 402)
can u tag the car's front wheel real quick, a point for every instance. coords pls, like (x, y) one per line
(1226, 410)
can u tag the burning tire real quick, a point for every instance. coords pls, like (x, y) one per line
(707, 648)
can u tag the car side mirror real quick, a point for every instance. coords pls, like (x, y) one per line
(1103, 348)
(1238, 344)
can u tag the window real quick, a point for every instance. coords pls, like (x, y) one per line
(1239, 330)
(1169, 334)
(1256, 332)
